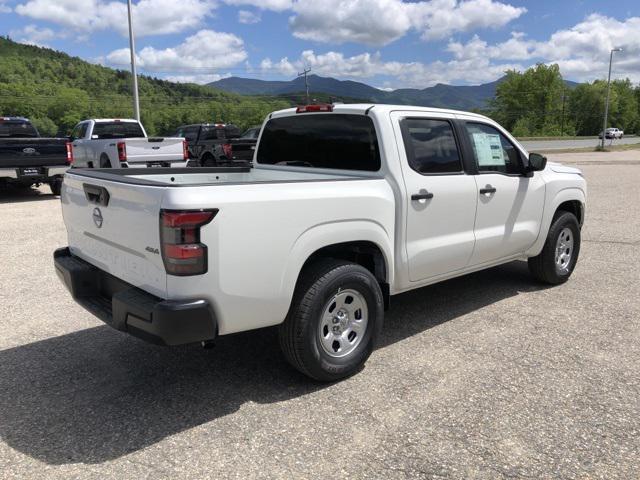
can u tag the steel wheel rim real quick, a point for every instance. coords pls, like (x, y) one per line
(343, 323)
(564, 250)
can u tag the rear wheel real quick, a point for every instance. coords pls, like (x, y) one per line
(56, 186)
(555, 264)
(335, 319)
(208, 161)
(104, 161)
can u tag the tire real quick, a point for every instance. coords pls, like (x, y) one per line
(305, 337)
(56, 186)
(104, 161)
(208, 161)
(552, 269)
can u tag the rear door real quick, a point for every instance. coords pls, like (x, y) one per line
(441, 198)
(510, 204)
(115, 226)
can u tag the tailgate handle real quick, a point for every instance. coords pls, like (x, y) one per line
(96, 194)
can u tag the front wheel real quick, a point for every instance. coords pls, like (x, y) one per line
(555, 264)
(334, 321)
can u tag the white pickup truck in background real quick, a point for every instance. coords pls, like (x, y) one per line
(122, 143)
(345, 207)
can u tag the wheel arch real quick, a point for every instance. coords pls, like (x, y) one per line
(570, 199)
(365, 243)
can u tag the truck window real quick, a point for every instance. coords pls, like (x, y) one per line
(117, 130)
(19, 128)
(431, 146)
(492, 151)
(325, 140)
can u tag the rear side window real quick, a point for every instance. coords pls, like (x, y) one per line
(431, 146)
(492, 151)
(17, 129)
(325, 140)
(117, 130)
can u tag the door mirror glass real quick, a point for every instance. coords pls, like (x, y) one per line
(537, 162)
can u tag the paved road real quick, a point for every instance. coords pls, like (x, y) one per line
(563, 144)
(487, 376)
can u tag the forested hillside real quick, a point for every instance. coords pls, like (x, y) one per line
(56, 91)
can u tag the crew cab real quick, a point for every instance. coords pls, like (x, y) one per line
(243, 147)
(345, 207)
(123, 143)
(28, 159)
(210, 144)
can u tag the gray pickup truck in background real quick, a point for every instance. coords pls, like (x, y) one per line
(28, 159)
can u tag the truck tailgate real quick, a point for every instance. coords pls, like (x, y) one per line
(115, 226)
(32, 152)
(144, 150)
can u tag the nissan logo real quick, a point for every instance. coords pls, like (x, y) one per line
(29, 150)
(97, 217)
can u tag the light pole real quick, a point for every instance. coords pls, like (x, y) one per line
(134, 75)
(606, 104)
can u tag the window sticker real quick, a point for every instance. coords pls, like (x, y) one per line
(489, 150)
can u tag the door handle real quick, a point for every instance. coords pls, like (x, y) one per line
(488, 189)
(422, 196)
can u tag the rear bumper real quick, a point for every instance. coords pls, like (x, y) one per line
(43, 173)
(129, 309)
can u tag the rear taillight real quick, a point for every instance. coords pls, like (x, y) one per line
(227, 149)
(185, 150)
(122, 151)
(69, 153)
(325, 107)
(182, 252)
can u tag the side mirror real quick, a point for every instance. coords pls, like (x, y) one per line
(537, 162)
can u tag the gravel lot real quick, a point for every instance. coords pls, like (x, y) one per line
(486, 376)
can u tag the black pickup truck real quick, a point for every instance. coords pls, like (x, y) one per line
(28, 159)
(209, 143)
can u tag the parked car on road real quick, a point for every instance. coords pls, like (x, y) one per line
(122, 143)
(28, 159)
(210, 144)
(345, 207)
(243, 148)
(612, 133)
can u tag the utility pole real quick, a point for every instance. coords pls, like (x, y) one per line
(606, 104)
(306, 83)
(134, 75)
(564, 96)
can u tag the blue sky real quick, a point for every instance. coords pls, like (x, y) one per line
(386, 43)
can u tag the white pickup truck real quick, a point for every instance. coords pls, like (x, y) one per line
(345, 207)
(123, 143)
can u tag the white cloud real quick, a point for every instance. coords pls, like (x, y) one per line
(4, 8)
(379, 22)
(247, 17)
(33, 35)
(275, 5)
(150, 17)
(201, 79)
(200, 55)
(582, 51)
(406, 74)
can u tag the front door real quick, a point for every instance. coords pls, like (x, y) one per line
(441, 198)
(510, 204)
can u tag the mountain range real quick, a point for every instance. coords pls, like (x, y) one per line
(440, 95)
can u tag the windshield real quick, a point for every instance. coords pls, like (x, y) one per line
(19, 128)
(325, 140)
(251, 133)
(117, 130)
